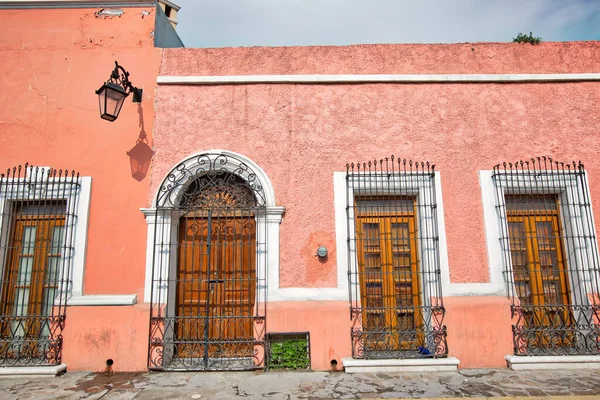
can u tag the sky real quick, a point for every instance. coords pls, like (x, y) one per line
(234, 23)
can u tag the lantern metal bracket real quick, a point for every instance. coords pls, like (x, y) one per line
(120, 77)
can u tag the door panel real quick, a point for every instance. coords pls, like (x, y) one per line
(217, 284)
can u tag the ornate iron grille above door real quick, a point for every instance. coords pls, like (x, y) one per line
(394, 270)
(208, 300)
(37, 219)
(550, 256)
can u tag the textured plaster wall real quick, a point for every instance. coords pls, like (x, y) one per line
(465, 58)
(329, 325)
(93, 335)
(479, 332)
(52, 62)
(300, 134)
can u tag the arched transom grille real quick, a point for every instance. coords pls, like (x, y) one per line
(218, 190)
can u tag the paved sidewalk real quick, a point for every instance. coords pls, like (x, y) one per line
(305, 385)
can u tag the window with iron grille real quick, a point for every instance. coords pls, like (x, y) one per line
(550, 256)
(394, 264)
(38, 214)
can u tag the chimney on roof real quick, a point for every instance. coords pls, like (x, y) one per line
(171, 9)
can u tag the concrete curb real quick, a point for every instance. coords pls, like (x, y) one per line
(504, 398)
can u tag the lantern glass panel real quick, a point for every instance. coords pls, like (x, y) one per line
(111, 98)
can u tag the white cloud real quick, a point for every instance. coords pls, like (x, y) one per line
(205, 23)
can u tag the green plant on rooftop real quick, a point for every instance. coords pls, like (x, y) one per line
(522, 38)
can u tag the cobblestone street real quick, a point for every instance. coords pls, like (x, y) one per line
(305, 385)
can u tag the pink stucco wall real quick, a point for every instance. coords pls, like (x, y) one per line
(52, 62)
(301, 134)
(93, 335)
(465, 58)
(479, 332)
(328, 322)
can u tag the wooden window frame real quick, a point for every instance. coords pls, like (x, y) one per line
(38, 284)
(539, 318)
(388, 281)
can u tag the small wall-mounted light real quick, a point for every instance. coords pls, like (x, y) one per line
(114, 92)
(321, 252)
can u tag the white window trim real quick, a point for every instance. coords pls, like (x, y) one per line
(569, 214)
(420, 188)
(341, 227)
(359, 365)
(496, 285)
(103, 300)
(77, 297)
(81, 236)
(45, 371)
(518, 363)
(79, 225)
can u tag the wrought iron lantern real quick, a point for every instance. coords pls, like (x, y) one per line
(114, 92)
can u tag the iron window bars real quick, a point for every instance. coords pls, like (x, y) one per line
(37, 219)
(550, 256)
(394, 265)
(208, 296)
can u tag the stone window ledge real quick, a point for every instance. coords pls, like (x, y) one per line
(103, 300)
(552, 362)
(50, 371)
(352, 365)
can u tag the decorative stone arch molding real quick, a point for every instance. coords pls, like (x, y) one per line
(174, 185)
(222, 160)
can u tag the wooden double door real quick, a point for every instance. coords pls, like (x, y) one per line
(216, 285)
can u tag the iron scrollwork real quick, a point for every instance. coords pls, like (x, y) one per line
(207, 219)
(220, 171)
(35, 278)
(550, 256)
(391, 215)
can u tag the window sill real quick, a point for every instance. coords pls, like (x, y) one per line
(352, 365)
(552, 362)
(103, 300)
(49, 371)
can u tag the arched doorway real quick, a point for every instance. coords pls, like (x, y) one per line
(208, 297)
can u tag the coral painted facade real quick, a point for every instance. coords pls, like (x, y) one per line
(202, 258)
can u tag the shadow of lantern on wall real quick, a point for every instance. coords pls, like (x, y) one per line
(114, 92)
(139, 157)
